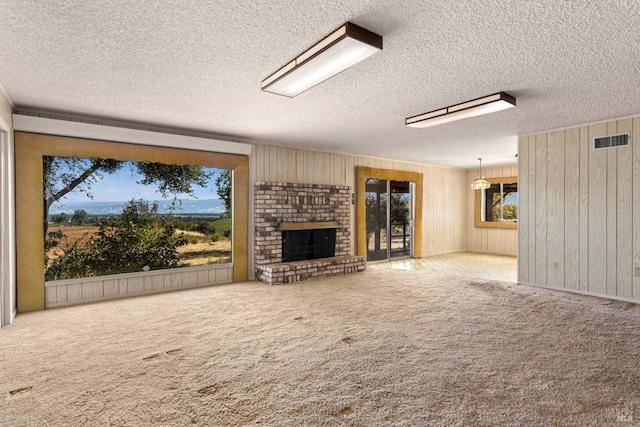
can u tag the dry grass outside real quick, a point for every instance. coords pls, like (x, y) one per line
(205, 251)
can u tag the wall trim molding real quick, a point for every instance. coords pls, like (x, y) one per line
(581, 292)
(47, 126)
(599, 122)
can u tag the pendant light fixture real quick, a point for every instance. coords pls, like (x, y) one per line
(480, 183)
(341, 49)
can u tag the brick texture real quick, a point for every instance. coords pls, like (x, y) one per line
(277, 203)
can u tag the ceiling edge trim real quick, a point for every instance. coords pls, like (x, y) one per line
(47, 126)
(613, 119)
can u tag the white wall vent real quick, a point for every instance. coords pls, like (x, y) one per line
(612, 141)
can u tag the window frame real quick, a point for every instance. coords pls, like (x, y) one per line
(29, 149)
(479, 223)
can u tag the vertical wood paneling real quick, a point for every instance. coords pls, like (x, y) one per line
(74, 292)
(61, 294)
(263, 165)
(135, 285)
(532, 210)
(541, 209)
(300, 158)
(585, 150)
(291, 167)
(597, 213)
(444, 207)
(612, 213)
(592, 210)
(636, 205)
(273, 164)
(176, 280)
(555, 209)
(624, 230)
(447, 209)
(50, 296)
(157, 283)
(110, 288)
(572, 208)
(489, 240)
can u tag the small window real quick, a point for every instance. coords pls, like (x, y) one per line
(497, 206)
(501, 203)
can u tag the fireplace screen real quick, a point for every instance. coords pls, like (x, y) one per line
(300, 245)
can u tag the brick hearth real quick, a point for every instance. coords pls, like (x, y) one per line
(277, 203)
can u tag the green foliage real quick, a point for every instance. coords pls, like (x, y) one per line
(510, 212)
(223, 226)
(53, 239)
(172, 179)
(79, 217)
(223, 184)
(205, 227)
(377, 214)
(138, 237)
(60, 218)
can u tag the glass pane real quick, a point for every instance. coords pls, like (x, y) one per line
(376, 212)
(493, 203)
(510, 202)
(105, 216)
(501, 203)
(400, 219)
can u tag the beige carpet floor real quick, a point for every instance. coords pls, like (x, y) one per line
(384, 347)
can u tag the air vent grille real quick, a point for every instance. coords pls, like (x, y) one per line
(612, 141)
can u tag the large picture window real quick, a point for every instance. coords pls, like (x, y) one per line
(104, 216)
(30, 151)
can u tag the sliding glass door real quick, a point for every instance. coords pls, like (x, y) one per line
(389, 217)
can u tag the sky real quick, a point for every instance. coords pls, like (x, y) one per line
(122, 186)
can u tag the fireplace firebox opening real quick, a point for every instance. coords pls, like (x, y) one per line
(300, 245)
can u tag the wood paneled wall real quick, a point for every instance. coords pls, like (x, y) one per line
(580, 211)
(500, 241)
(444, 201)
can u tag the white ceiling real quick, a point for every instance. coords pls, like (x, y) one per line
(198, 65)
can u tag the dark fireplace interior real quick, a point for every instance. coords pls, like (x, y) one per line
(300, 245)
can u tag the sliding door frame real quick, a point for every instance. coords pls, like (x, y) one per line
(364, 173)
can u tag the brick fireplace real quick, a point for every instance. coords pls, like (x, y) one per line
(282, 207)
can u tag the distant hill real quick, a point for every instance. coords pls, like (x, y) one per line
(182, 206)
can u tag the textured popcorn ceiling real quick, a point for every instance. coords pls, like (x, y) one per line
(198, 65)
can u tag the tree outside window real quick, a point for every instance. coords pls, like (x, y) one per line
(501, 203)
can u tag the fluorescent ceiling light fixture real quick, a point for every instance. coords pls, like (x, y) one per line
(477, 107)
(341, 49)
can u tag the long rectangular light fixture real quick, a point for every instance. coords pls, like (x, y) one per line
(341, 49)
(477, 107)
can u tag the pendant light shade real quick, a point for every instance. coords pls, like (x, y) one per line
(480, 183)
